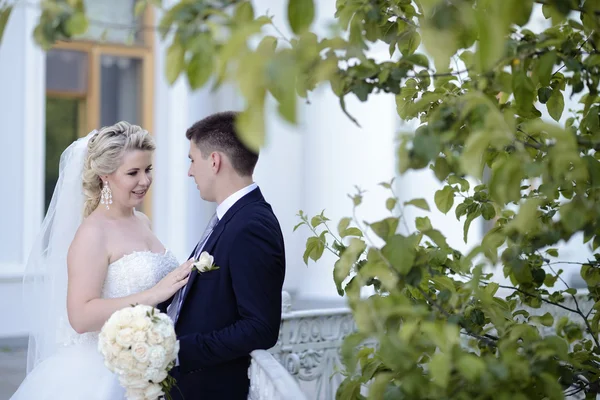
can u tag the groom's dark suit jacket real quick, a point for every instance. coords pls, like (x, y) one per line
(231, 311)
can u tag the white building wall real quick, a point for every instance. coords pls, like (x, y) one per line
(22, 95)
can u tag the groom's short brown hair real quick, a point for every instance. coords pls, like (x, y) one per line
(217, 133)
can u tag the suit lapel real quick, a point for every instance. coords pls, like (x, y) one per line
(251, 197)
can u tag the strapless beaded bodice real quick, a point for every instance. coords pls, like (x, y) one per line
(133, 273)
(136, 272)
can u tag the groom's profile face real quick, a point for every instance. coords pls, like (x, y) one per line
(202, 172)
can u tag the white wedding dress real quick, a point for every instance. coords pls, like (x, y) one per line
(76, 371)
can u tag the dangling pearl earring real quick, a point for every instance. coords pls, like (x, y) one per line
(106, 195)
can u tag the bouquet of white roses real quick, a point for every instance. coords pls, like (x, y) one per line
(139, 345)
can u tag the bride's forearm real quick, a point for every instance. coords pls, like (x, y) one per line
(91, 316)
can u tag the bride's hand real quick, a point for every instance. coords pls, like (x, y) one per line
(170, 284)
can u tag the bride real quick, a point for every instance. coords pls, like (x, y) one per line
(95, 254)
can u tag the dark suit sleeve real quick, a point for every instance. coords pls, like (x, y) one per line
(257, 268)
(162, 307)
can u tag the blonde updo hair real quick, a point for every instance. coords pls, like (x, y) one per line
(105, 154)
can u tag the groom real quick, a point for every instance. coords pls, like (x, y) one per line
(223, 314)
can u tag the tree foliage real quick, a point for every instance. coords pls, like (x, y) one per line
(478, 81)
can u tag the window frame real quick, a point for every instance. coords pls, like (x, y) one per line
(144, 51)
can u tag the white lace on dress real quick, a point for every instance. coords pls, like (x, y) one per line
(130, 274)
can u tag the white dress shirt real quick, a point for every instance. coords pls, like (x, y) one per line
(232, 199)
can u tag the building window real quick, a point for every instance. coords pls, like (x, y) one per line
(103, 77)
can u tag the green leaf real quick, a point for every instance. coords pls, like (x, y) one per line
(544, 94)
(547, 319)
(390, 203)
(556, 104)
(470, 217)
(352, 232)
(200, 68)
(526, 220)
(419, 203)
(174, 62)
(491, 39)
(400, 251)
(423, 224)
(544, 66)
(343, 225)
(251, 126)
(381, 382)
(408, 42)
(444, 199)
(472, 159)
(385, 228)
(301, 14)
(140, 7)
(314, 249)
(552, 252)
(523, 89)
(298, 226)
(244, 13)
(77, 24)
(343, 266)
(456, 180)
(381, 271)
(470, 366)
(417, 59)
(4, 15)
(440, 367)
(488, 211)
(441, 168)
(461, 210)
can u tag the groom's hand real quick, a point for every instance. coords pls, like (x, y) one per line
(171, 283)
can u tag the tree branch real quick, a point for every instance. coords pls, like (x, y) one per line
(541, 298)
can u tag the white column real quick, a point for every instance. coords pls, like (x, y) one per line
(171, 185)
(279, 175)
(22, 110)
(279, 171)
(339, 155)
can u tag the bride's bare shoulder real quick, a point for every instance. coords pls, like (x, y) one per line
(144, 218)
(90, 238)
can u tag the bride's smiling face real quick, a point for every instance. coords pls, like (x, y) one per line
(131, 181)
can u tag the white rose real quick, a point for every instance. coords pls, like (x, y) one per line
(140, 311)
(109, 332)
(139, 383)
(165, 330)
(125, 337)
(174, 349)
(140, 352)
(142, 324)
(154, 337)
(141, 368)
(153, 392)
(123, 317)
(136, 394)
(204, 262)
(155, 375)
(130, 376)
(125, 361)
(111, 350)
(139, 336)
(157, 356)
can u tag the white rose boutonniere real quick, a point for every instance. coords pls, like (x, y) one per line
(205, 263)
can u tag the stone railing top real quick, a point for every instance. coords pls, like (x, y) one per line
(325, 312)
(270, 380)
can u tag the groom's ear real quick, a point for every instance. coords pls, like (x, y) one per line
(216, 160)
